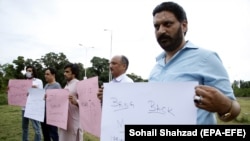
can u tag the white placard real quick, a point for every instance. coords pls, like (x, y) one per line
(145, 103)
(35, 105)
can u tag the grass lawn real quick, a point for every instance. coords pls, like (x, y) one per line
(10, 123)
(244, 117)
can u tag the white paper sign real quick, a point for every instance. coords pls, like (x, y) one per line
(35, 105)
(145, 103)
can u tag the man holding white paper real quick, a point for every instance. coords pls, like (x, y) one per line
(183, 61)
(37, 83)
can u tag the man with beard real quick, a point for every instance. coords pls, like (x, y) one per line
(74, 130)
(184, 61)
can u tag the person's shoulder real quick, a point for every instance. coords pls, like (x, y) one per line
(74, 81)
(38, 80)
(198, 51)
(128, 79)
(189, 44)
(206, 53)
(58, 85)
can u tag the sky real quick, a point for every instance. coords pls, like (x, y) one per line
(82, 29)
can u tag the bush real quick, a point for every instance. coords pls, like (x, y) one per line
(3, 98)
(242, 92)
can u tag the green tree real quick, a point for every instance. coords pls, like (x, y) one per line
(100, 68)
(136, 78)
(244, 84)
(235, 84)
(19, 64)
(9, 72)
(57, 61)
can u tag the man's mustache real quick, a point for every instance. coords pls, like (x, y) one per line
(163, 36)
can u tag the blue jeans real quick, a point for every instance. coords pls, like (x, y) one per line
(25, 127)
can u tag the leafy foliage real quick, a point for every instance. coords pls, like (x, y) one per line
(100, 68)
(136, 78)
(241, 88)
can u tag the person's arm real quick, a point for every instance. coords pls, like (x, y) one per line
(73, 100)
(40, 84)
(217, 94)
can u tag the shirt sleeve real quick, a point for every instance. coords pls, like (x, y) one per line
(216, 75)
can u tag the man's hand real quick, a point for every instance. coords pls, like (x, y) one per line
(73, 100)
(100, 93)
(45, 96)
(212, 99)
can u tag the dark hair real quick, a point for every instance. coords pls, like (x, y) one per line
(125, 61)
(52, 70)
(173, 7)
(74, 68)
(34, 72)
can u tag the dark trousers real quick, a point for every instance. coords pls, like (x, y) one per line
(49, 132)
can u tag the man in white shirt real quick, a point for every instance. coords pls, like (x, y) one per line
(36, 83)
(118, 67)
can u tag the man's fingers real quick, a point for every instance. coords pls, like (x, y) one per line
(99, 95)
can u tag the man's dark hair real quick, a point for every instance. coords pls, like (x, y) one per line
(34, 74)
(173, 7)
(74, 68)
(52, 70)
(125, 61)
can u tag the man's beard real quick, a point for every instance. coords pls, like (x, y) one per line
(170, 44)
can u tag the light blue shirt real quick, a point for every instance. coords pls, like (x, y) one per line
(192, 63)
(122, 79)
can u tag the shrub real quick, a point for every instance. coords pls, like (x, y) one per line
(3, 98)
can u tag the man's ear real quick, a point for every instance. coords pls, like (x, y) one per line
(124, 66)
(184, 26)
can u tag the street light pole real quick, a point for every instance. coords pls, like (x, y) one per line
(110, 53)
(85, 66)
(86, 60)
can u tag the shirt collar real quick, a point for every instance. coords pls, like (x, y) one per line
(187, 45)
(71, 81)
(119, 78)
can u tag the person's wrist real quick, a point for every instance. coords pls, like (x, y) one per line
(226, 115)
(226, 108)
